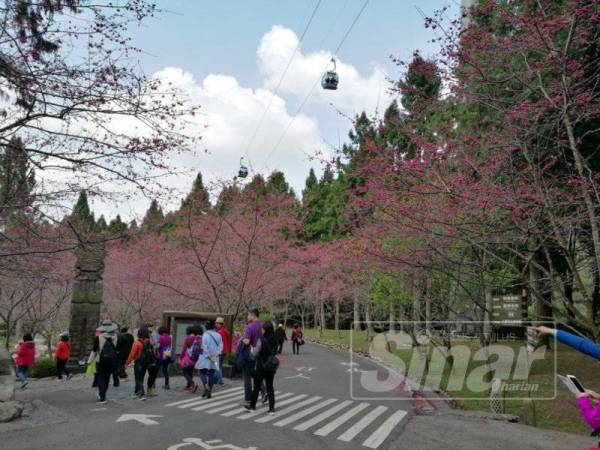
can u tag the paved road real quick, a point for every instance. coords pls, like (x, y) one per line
(316, 409)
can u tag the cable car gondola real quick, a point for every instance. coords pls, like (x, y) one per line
(330, 79)
(243, 172)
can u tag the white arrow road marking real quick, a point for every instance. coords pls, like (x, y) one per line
(145, 419)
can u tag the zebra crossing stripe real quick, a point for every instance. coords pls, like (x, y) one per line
(207, 404)
(211, 401)
(220, 408)
(321, 417)
(324, 431)
(222, 394)
(242, 409)
(304, 413)
(384, 430)
(363, 423)
(289, 409)
(250, 415)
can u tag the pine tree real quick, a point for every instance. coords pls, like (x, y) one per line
(197, 200)
(117, 227)
(154, 218)
(311, 183)
(277, 183)
(82, 218)
(420, 86)
(101, 225)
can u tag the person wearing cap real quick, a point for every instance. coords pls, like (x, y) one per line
(62, 355)
(226, 339)
(104, 353)
(280, 337)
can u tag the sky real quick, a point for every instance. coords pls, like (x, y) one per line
(229, 56)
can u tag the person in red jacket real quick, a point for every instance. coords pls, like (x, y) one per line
(297, 339)
(25, 358)
(62, 355)
(226, 338)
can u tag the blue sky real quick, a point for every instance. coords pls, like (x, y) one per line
(230, 55)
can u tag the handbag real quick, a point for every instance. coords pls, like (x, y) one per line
(167, 353)
(91, 369)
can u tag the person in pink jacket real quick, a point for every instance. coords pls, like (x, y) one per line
(25, 358)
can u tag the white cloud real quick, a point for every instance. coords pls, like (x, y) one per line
(230, 114)
(355, 92)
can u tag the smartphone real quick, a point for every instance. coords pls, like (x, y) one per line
(576, 382)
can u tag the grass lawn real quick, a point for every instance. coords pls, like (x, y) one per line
(559, 413)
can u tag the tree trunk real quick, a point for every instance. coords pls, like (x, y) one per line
(356, 313)
(589, 202)
(392, 317)
(337, 315)
(285, 314)
(321, 316)
(541, 296)
(428, 313)
(368, 321)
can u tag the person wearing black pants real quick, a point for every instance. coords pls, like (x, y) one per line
(61, 367)
(104, 373)
(266, 366)
(104, 353)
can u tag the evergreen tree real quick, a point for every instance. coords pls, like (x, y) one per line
(117, 227)
(228, 195)
(82, 218)
(311, 182)
(197, 200)
(154, 218)
(17, 178)
(277, 183)
(101, 225)
(420, 86)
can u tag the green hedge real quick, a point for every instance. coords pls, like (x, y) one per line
(43, 367)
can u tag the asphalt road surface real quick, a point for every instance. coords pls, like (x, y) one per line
(320, 404)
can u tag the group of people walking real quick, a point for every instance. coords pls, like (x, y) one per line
(150, 353)
(203, 351)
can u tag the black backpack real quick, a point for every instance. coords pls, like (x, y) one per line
(148, 357)
(108, 355)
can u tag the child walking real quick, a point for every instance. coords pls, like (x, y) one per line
(25, 358)
(62, 355)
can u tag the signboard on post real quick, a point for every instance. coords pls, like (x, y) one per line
(178, 321)
(509, 309)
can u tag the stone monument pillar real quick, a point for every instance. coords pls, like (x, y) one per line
(86, 300)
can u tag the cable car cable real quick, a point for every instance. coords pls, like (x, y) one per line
(283, 74)
(291, 121)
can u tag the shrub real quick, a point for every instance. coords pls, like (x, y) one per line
(43, 367)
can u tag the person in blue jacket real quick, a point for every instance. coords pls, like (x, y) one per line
(579, 343)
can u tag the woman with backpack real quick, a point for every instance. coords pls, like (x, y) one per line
(192, 346)
(297, 339)
(104, 355)
(266, 366)
(165, 344)
(25, 358)
(142, 355)
(208, 361)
